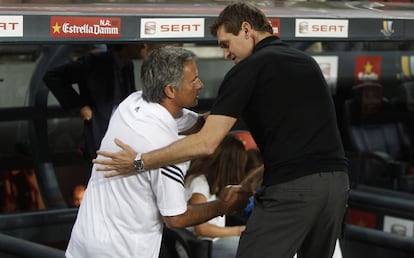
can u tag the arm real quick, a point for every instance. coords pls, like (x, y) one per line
(60, 79)
(202, 212)
(211, 230)
(195, 145)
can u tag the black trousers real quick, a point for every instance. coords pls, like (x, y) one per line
(302, 216)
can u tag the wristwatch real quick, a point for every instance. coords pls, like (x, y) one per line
(139, 164)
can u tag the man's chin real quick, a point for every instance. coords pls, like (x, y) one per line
(192, 105)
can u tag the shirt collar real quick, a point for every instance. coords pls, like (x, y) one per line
(271, 40)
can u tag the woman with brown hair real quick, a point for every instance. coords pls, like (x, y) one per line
(208, 175)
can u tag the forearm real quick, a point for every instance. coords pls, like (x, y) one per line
(192, 146)
(187, 148)
(201, 212)
(196, 214)
(63, 90)
(210, 230)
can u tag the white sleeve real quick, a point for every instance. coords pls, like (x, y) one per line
(199, 185)
(186, 120)
(168, 187)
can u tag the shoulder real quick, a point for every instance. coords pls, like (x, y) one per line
(197, 184)
(197, 181)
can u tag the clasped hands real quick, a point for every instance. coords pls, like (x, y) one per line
(234, 199)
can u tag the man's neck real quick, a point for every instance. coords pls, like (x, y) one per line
(171, 107)
(259, 36)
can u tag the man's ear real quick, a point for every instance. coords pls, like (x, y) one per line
(246, 27)
(169, 91)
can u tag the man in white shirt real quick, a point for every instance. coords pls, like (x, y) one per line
(123, 216)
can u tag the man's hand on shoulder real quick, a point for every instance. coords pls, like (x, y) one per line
(122, 162)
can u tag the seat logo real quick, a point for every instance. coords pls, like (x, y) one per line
(172, 28)
(11, 26)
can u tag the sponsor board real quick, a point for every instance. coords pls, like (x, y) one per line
(85, 27)
(11, 26)
(275, 23)
(172, 28)
(321, 28)
(329, 68)
(368, 68)
(398, 226)
(362, 218)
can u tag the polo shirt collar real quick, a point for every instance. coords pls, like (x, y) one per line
(271, 40)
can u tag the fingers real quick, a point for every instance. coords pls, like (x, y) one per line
(120, 143)
(236, 191)
(123, 146)
(122, 162)
(229, 191)
(104, 168)
(247, 187)
(235, 198)
(106, 154)
(113, 171)
(112, 174)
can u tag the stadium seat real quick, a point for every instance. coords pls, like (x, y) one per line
(180, 243)
(378, 145)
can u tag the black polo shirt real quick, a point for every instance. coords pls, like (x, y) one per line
(282, 96)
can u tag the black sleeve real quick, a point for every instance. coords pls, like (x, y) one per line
(60, 82)
(235, 91)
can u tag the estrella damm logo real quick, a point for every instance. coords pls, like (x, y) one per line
(387, 29)
(85, 27)
(368, 68)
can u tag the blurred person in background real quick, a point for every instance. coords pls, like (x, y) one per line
(104, 78)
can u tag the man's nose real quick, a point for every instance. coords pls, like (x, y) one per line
(200, 84)
(227, 54)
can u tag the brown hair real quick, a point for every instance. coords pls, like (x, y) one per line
(227, 165)
(254, 160)
(234, 14)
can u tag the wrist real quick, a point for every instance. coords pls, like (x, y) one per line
(241, 229)
(139, 163)
(238, 231)
(221, 209)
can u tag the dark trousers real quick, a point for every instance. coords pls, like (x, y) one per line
(303, 216)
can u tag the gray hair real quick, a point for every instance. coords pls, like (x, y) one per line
(163, 66)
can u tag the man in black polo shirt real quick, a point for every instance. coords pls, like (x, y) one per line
(282, 96)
